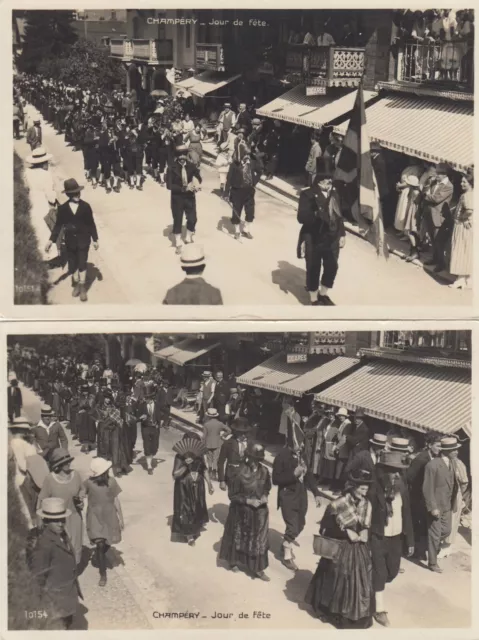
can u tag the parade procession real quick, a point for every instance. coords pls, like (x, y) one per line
(153, 471)
(174, 152)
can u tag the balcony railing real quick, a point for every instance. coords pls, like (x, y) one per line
(456, 342)
(142, 50)
(447, 65)
(326, 66)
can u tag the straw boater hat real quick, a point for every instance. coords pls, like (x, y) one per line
(39, 156)
(342, 411)
(412, 181)
(379, 440)
(59, 457)
(99, 466)
(71, 186)
(392, 459)
(450, 444)
(399, 444)
(206, 374)
(20, 423)
(212, 413)
(53, 509)
(192, 255)
(46, 410)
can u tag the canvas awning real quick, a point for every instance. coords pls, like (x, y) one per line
(437, 130)
(421, 397)
(186, 350)
(205, 83)
(295, 379)
(310, 111)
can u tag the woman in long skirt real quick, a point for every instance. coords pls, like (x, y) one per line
(462, 235)
(104, 518)
(195, 148)
(65, 483)
(245, 539)
(341, 589)
(190, 473)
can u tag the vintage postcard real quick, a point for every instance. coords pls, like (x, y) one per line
(235, 163)
(266, 481)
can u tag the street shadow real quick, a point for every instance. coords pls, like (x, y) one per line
(217, 192)
(58, 262)
(436, 276)
(86, 554)
(466, 534)
(225, 225)
(291, 279)
(168, 233)
(114, 558)
(295, 590)
(275, 543)
(93, 273)
(218, 513)
(80, 622)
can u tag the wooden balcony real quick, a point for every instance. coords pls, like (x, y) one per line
(151, 52)
(334, 66)
(437, 69)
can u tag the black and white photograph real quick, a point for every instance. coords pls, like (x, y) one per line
(268, 159)
(312, 480)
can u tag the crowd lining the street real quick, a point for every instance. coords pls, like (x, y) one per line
(123, 140)
(389, 500)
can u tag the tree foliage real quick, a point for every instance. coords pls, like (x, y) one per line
(82, 347)
(48, 34)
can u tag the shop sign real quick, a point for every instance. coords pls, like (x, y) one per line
(315, 91)
(292, 358)
(210, 56)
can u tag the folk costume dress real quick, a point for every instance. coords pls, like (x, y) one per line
(112, 439)
(69, 489)
(102, 521)
(245, 539)
(342, 588)
(462, 236)
(190, 512)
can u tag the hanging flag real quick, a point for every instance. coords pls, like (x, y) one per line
(355, 169)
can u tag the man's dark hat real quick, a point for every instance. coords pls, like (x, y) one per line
(360, 476)
(255, 450)
(71, 186)
(240, 425)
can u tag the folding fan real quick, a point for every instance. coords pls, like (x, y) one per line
(190, 447)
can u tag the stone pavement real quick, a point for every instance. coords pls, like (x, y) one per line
(137, 264)
(156, 576)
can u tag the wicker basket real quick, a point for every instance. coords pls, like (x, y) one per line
(328, 548)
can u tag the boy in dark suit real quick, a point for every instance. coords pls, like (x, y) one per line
(76, 217)
(183, 179)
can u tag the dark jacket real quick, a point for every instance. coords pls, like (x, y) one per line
(440, 486)
(437, 204)
(361, 460)
(15, 401)
(235, 178)
(359, 439)
(320, 229)
(54, 438)
(142, 410)
(53, 565)
(193, 291)
(174, 180)
(79, 228)
(289, 486)
(415, 477)
(379, 511)
(221, 395)
(229, 460)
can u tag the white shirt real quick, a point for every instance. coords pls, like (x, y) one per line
(447, 461)
(42, 189)
(394, 525)
(42, 424)
(326, 40)
(73, 206)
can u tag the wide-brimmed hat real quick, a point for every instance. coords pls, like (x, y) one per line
(240, 425)
(212, 412)
(450, 444)
(192, 255)
(46, 410)
(399, 444)
(255, 450)
(53, 509)
(59, 457)
(71, 186)
(255, 121)
(39, 156)
(412, 181)
(379, 440)
(20, 423)
(181, 150)
(342, 411)
(107, 393)
(360, 476)
(227, 104)
(442, 167)
(392, 459)
(99, 466)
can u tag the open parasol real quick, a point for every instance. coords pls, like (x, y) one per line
(132, 362)
(141, 367)
(159, 93)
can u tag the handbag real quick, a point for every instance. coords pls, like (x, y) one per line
(328, 548)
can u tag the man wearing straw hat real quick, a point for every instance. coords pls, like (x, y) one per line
(193, 289)
(368, 458)
(49, 435)
(76, 217)
(391, 525)
(53, 563)
(214, 431)
(440, 489)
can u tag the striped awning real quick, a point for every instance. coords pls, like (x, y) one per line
(295, 379)
(428, 128)
(310, 111)
(416, 396)
(186, 350)
(205, 83)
